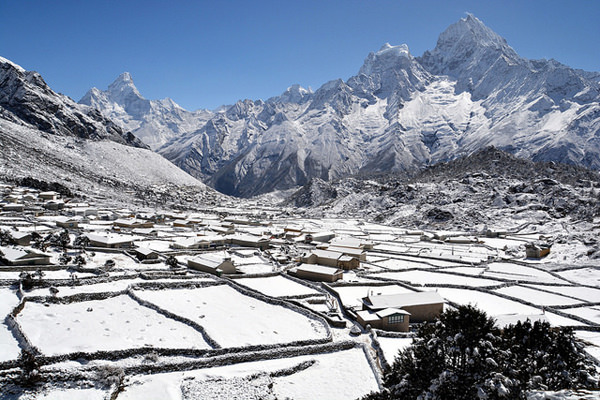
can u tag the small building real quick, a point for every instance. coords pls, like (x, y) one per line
(67, 222)
(20, 238)
(213, 264)
(358, 253)
(250, 241)
(110, 241)
(389, 319)
(19, 256)
(54, 205)
(13, 207)
(331, 259)
(534, 250)
(144, 253)
(353, 243)
(132, 223)
(190, 243)
(50, 195)
(422, 306)
(318, 273)
(183, 223)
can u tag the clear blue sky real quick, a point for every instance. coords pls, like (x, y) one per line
(206, 53)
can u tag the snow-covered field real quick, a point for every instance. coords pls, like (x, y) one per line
(9, 347)
(328, 377)
(116, 323)
(536, 296)
(427, 277)
(495, 306)
(277, 286)
(235, 320)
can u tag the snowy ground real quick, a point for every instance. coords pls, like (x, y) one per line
(175, 320)
(116, 323)
(236, 320)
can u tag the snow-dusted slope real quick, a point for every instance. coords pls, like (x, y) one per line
(47, 136)
(153, 121)
(26, 99)
(399, 113)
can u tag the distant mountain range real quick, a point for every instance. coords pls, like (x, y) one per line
(400, 113)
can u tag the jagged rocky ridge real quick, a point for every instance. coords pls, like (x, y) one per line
(490, 187)
(399, 113)
(27, 100)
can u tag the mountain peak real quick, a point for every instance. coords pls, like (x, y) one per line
(123, 84)
(387, 57)
(470, 32)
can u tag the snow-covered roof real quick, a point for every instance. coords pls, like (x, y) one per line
(15, 253)
(112, 239)
(318, 269)
(400, 300)
(334, 255)
(391, 311)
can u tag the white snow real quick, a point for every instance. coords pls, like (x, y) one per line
(277, 286)
(113, 324)
(233, 319)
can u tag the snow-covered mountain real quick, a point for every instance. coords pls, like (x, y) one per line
(47, 136)
(399, 113)
(153, 121)
(27, 100)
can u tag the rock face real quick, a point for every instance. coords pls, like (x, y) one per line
(399, 113)
(26, 99)
(153, 121)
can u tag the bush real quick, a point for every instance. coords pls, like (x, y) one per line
(464, 356)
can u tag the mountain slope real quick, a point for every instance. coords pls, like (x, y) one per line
(26, 99)
(153, 121)
(47, 136)
(399, 113)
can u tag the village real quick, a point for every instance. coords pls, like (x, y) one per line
(138, 301)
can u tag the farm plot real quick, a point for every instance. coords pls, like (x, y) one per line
(9, 347)
(400, 264)
(495, 305)
(589, 313)
(116, 323)
(236, 320)
(391, 346)
(111, 286)
(537, 297)
(277, 286)
(518, 272)
(580, 292)
(328, 377)
(592, 340)
(583, 276)
(427, 277)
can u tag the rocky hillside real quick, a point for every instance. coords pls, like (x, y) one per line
(490, 187)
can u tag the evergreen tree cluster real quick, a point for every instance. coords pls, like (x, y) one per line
(465, 356)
